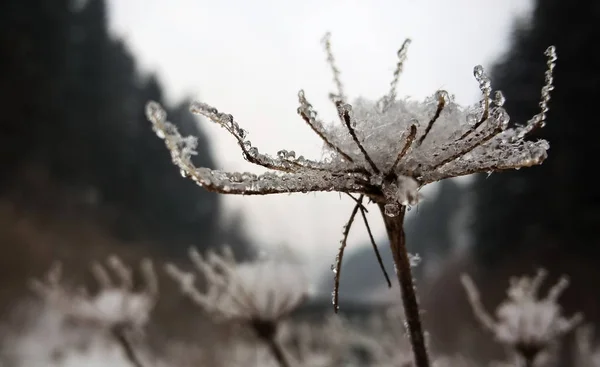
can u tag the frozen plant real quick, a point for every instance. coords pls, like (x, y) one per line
(116, 308)
(258, 294)
(327, 343)
(383, 151)
(528, 325)
(587, 355)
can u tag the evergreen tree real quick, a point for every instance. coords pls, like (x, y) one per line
(556, 206)
(73, 102)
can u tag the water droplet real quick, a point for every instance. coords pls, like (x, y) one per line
(282, 154)
(442, 94)
(472, 119)
(236, 177)
(551, 53)
(499, 98)
(414, 260)
(242, 133)
(291, 155)
(478, 71)
(501, 116)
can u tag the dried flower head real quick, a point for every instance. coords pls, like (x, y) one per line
(115, 304)
(384, 149)
(263, 291)
(525, 323)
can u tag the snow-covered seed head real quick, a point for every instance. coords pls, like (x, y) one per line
(389, 142)
(526, 323)
(116, 303)
(384, 150)
(262, 291)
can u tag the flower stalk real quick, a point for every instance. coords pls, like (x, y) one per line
(395, 231)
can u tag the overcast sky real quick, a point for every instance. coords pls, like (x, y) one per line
(250, 58)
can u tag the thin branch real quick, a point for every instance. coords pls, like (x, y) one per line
(120, 334)
(438, 112)
(408, 143)
(344, 113)
(277, 352)
(249, 152)
(391, 96)
(235, 183)
(375, 248)
(340, 256)
(309, 116)
(336, 72)
(486, 91)
(539, 120)
(358, 201)
(484, 318)
(475, 142)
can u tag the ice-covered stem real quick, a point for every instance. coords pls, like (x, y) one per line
(395, 230)
(340, 96)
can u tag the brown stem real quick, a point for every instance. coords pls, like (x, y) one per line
(395, 230)
(277, 352)
(266, 331)
(120, 334)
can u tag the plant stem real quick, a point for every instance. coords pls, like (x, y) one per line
(395, 230)
(277, 352)
(120, 334)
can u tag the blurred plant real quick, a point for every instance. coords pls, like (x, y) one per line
(257, 294)
(383, 150)
(529, 326)
(116, 308)
(586, 354)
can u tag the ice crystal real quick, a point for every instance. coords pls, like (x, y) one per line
(524, 322)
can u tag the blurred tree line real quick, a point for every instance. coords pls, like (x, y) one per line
(546, 216)
(72, 116)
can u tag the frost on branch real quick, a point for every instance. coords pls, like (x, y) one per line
(385, 149)
(528, 325)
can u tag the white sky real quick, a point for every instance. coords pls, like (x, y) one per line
(250, 58)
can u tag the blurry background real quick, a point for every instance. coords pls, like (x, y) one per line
(82, 175)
